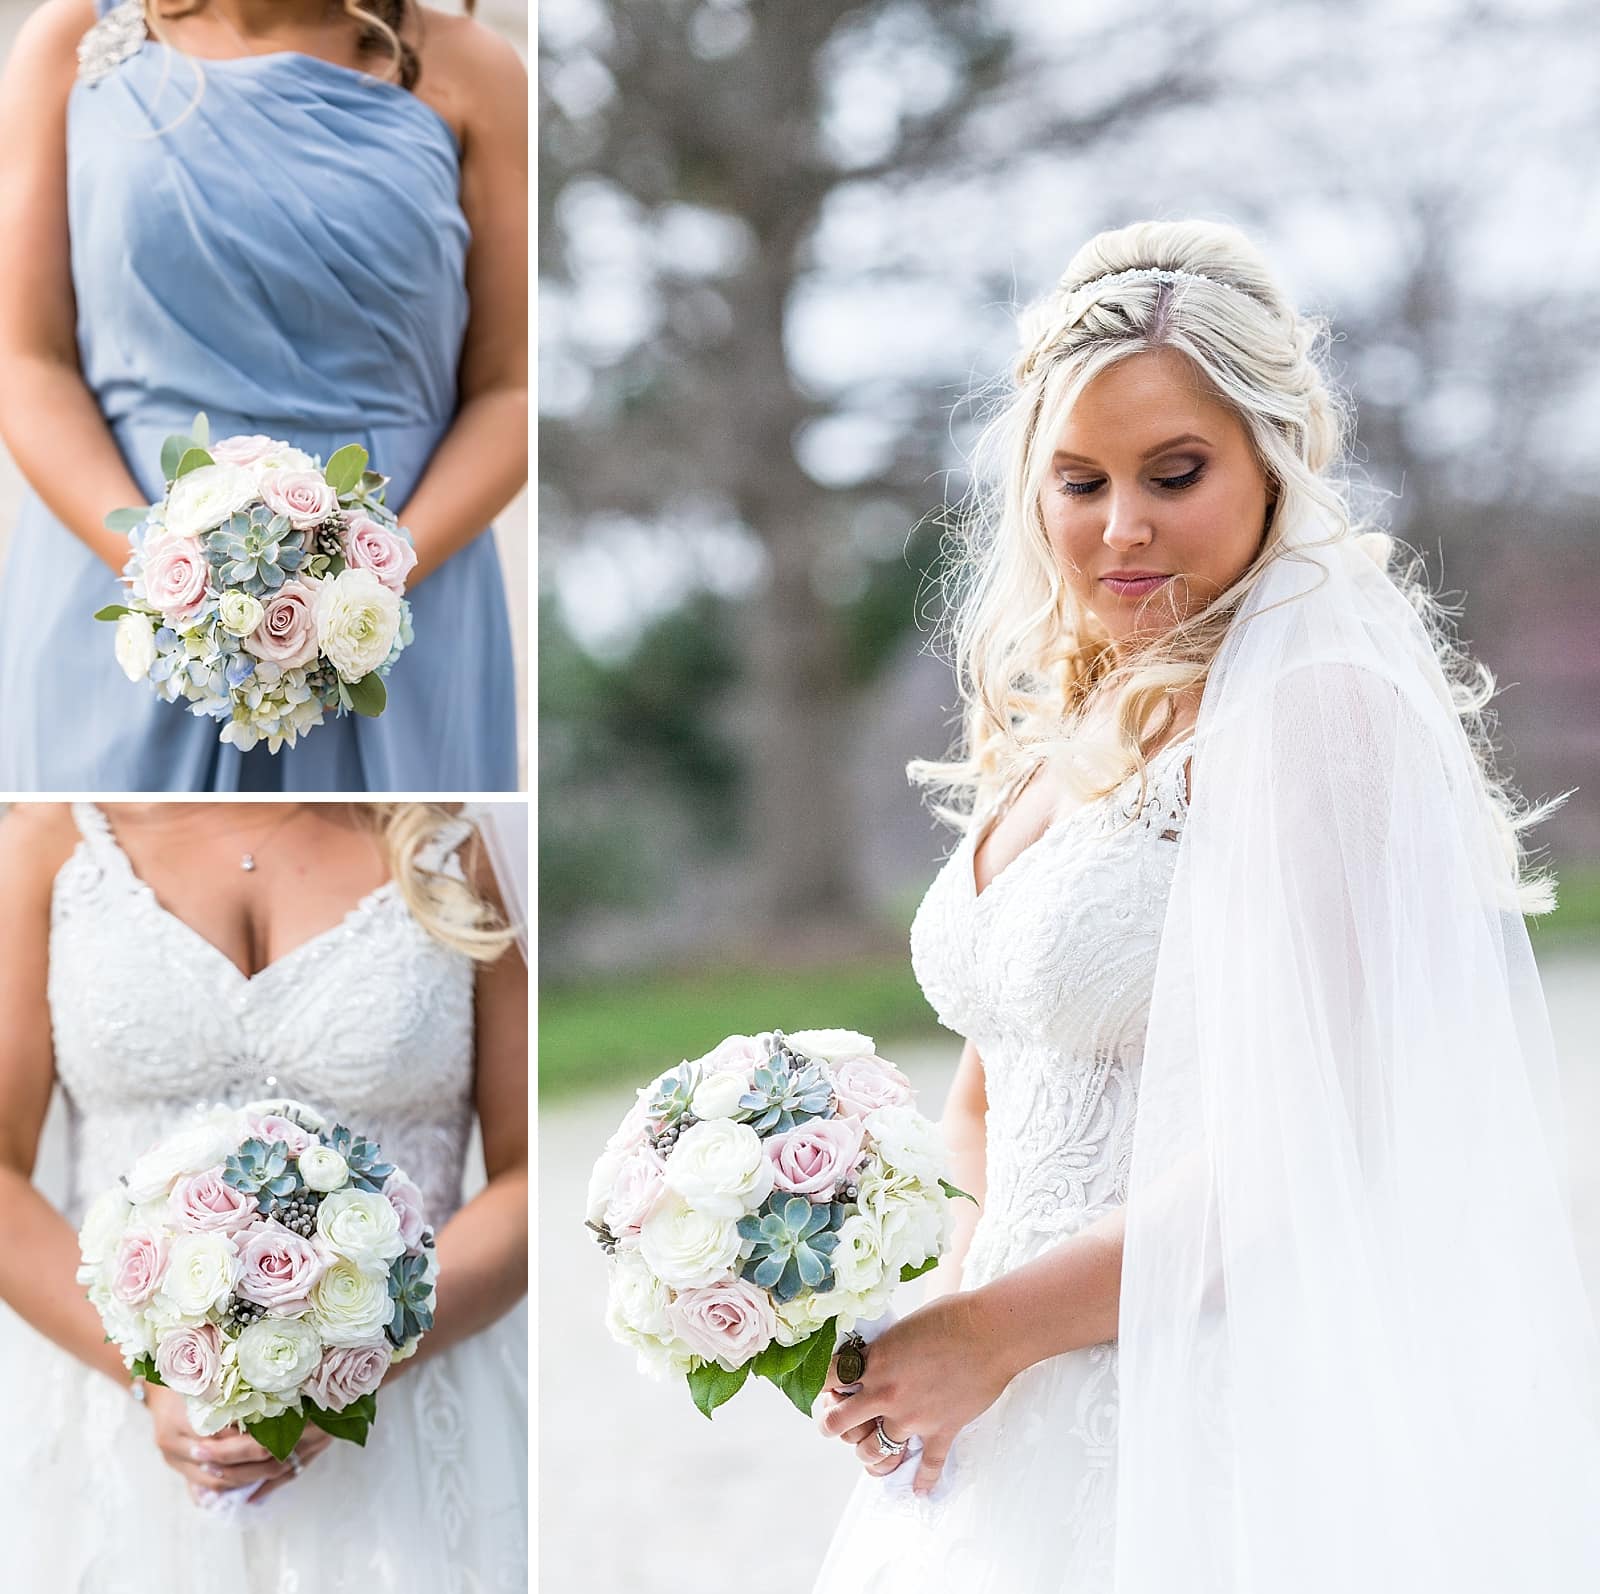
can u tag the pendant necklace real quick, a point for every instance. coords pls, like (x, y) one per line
(247, 859)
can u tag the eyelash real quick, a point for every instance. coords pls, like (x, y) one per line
(1174, 484)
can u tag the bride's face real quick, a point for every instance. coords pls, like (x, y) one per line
(1153, 474)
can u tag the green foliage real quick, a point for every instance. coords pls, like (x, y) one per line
(344, 470)
(125, 520)
(799, 1370)
(367, 696)
(915, 1270)
(112, 611)
(711, 1386)
(352, 1423)
(278, 1434)
(955, 1194)
(191, 459)
(172, 451)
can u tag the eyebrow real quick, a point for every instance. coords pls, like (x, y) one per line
(1149, 453)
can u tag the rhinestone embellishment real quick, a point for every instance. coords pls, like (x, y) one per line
(120, 33)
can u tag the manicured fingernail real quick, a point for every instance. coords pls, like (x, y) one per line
(211, 1470)
(197, 1452)
(849, 1389)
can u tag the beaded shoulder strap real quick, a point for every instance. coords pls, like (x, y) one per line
(119, 34)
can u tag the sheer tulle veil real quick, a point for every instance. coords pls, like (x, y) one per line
(1356, 1351)
(504, 828)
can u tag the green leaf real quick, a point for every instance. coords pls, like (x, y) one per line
(172, 451)
(777, 1361)
(915, 1270)
(373, 483)
(349, 1424)
(368, 696)
(144, 1367)
(710, 1385)
(192, 459)
(126, 519)
(201, 430)
(279, 1434)
(955, 1194)
(112, 611)
(344, 470)
(804, 1384)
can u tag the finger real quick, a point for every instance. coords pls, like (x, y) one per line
(228, 1450)
(874, 1460)
(849, 1412)
(218, 1480)
(854, 1436)
(935, 1452)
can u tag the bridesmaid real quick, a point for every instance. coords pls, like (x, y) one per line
(308, 220)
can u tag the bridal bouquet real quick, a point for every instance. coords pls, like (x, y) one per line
(267, 1267)
(265, 588)
(759, 1201)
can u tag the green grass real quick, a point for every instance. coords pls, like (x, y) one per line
(1577, 915)
(625, 1031)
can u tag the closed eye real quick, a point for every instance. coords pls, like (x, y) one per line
(1175, 484)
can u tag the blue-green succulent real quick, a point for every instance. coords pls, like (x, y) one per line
(263, 1171)
(256, 550)
(792, 1245)
(412, 1294)
(672, 1093)
(785, 1091)
(368, 1170)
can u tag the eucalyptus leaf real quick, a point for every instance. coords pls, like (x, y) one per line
(201, 430)
(112, 611)
(367, 696)
(126, 519)
(192, 459)
(172, 450)
(710, 1385)
(343, 471)
(278, 1434)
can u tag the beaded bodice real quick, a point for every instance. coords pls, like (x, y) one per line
(1049, 972)
(372, 1021)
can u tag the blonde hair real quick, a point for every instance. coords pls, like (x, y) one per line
(451, 910)
(1029, 659)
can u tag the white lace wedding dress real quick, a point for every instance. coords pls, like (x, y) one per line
(1049, 972)
(373, 1019)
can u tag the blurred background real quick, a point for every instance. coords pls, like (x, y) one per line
(509, 18)
(780, 249)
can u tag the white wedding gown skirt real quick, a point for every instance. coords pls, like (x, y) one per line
(373, 1021)
(1049, 971)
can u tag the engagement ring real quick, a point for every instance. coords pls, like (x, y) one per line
(888, 1446)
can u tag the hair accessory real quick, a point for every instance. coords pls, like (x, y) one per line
(1151, 273)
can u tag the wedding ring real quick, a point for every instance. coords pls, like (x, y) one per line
(295, 1463)
(886, 1445)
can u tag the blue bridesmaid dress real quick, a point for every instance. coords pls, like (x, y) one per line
(288, 256)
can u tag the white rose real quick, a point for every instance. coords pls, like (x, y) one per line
(280, 456)
(908, 1142)
(362, 1226)
(688, 1249)
(350, 1306)
(323, 1168)
(720, 1169)
(831, 1045)
(601, 1178)
(206, 497)
(201, 1272)
(636, 1316)
(131, 1330)
(858, 1260)
(104, 1224)
(136, 645)
(238, 613)
(276, 1354)
(913, 1219)
(191, 1150)
(357, 620)
(718, 1095)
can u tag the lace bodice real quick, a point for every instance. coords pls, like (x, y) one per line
(372, 1020)
(1049, 972)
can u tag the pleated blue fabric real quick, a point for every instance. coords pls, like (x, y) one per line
(289, 257)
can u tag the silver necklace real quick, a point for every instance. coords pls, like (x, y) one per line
(247, 859)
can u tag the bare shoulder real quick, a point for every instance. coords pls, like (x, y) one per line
(471, 74)
(35, 840)
(45, 51)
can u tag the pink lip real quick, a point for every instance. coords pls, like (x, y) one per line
(1134, 586)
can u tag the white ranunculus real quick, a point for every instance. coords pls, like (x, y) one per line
(636, 1316)
(858, 1261)
(104, 1224)
(601, 1178)
(831, 1045)
(191, 1150)
(908, 1142)
(913, 1219)
(136, 645)
(276, 1354)
(362, 1226)
(717, 1095)
(280, 456)
(800, 1318)
(357, 620)
(720, 1168)
(323, 1168)
(688, 1249)
(131, 1330)
(206, 497)
(238, 613)
(350, 1305)
(201, 1272)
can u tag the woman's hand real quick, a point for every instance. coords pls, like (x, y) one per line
(930, 1375)
(227, 1460)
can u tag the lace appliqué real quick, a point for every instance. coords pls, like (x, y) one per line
(119, 34)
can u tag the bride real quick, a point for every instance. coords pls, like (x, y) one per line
(1234, 855)
(358, 958)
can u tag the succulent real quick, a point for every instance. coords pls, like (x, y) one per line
(264, 1172)
(412, 1293)
(668, 1105)
(258, 550)
(793, 1245)
(787, 1090)
(368, 1170)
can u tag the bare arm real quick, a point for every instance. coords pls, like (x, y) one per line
(47, 413)
(482, 461)
(963, 1125)
(39, 1262)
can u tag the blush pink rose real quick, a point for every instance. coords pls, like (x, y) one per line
(190, 1360)
(727, 1323)
(242, 450)
(303, 495)
(813, 1157)
(287, 635)
(202, 1203)
(635, 1191)
(140, 1266)
(346, 1373)
(271, 1126)
(175, 577)
(738, 1054)
(634, 1130)
(406, 1199)
(370, 545)
(279, 1268)
(864, 1084)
